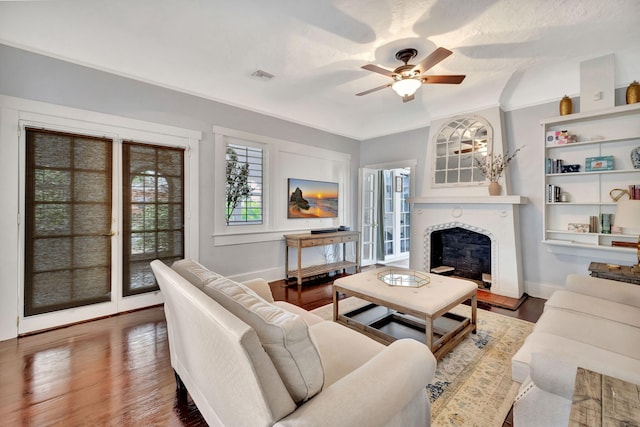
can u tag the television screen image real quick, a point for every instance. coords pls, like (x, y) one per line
(312, 199)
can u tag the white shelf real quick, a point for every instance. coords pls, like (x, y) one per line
(611, 203)
(494, 200)
(626, 236)
(567, 174)
(610, 132)
(594, 141)
(608, 113)
(571, 244)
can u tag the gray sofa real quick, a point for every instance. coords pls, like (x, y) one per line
(593, 323)
(249, 361)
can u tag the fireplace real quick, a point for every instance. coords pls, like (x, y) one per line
(468, 252)
(496, 218)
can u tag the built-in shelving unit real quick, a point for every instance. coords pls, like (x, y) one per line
(612, 132)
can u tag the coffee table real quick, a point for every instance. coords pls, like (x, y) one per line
(408, 312)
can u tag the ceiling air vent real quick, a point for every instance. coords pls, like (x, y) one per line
(262, 75)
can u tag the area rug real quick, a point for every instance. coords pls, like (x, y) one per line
(472, 385)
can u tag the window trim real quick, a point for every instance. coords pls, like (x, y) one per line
(275, 174)
(240, 138)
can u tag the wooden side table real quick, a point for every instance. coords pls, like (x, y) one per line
(622, 274)
(600, 400)
(307, 240)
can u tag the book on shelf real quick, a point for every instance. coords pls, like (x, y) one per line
(553, 193)
(553, 165)
(634, 192)
(605, 223)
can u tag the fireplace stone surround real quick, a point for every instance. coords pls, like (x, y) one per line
(496, 217)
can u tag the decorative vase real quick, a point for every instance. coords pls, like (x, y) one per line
(494, 188)
(566, 106)
(635, 158)
(633, 93)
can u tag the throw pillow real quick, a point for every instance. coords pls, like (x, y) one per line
(196, 273)
(284, 336)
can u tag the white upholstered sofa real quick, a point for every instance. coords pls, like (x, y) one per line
(593, 323)
(249, 361)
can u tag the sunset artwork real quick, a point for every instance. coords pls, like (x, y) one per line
(312, 199)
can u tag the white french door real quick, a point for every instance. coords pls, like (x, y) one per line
(396, 214)
(384, 211)
(368, 188)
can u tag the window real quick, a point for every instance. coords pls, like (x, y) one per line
(153, 194)
(244, 185)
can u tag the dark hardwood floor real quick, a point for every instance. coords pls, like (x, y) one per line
(117, 370)
(108, 372)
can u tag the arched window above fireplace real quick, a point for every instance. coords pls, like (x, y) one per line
(456, 146)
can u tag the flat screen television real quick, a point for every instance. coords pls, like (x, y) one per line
(312, 199)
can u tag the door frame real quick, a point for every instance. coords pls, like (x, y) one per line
(118, 129)
(411, 164)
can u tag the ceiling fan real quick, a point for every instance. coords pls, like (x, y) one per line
(408, 78)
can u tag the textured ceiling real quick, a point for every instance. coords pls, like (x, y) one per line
(514, 52)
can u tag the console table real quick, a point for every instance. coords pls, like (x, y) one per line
(600, 400)
(307, 240)
(622, 274)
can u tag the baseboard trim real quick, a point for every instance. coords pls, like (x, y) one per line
(541, 290)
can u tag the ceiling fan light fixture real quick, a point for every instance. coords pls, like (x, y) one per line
(406, 87)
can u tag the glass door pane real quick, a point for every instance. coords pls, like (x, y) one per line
(67, 221)
(153, 217)
(368, 215)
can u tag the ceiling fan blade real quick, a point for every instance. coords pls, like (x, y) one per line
(454, 80)
(408, 98)
(366, 92)
(380, 70)
(436, 56)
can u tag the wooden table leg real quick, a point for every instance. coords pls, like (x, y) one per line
(286, 262)
(474, 312)
(428, 331)
(335, 305)
(299, 268)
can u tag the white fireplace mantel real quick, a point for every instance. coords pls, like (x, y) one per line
(499, 200)
(494, 216)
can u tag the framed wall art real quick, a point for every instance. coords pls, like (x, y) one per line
(312, 199)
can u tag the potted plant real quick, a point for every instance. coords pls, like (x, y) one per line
(492, 166)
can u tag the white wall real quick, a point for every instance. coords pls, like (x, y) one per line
(398, 147)
(35, 77)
